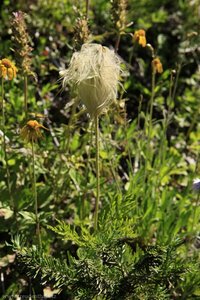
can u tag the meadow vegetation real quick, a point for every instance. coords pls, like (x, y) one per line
(99, 156)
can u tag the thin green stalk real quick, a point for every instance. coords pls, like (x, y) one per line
(4, 147)
(65, 149)
(195, 216)
(25, 96)
(35, 195)
(87, 8)
(148, 148)
(151, 106)
(150, 120)
(176, 82)
(97, 173)
(117, 42)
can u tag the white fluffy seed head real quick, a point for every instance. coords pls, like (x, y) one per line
(94, 71)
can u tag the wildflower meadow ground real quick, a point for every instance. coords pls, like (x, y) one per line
(99, 157)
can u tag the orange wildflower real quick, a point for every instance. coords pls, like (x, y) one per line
(140, 37)
(31, 131)
(157, 65)
(7, 69)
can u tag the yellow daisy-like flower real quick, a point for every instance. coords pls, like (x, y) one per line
(31, 131)
(140, 37)
(7, 69)
(157, 65)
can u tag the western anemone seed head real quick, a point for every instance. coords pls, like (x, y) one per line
(140, 37)
(7, 69)
(94, 71)
(31, 131)
(157, 65)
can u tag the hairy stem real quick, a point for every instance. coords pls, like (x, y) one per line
(151, 107)
(97, 172)
(25, 96)
(35, 194)
(4, 147)
(117, 42)
(87, 8)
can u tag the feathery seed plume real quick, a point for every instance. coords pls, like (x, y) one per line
(94, 71)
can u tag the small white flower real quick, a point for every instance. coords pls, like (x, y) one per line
(196, 184)
(94, 71)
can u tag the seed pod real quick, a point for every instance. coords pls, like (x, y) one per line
(94, 71)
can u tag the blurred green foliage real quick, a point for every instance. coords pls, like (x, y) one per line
(147, 245)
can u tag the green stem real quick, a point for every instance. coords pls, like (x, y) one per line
(25, 96)
(35, 195)
(97, 172)
(176, 82)
(4, 147)
(195, 216)
(64, 149)
(87, 8)
(117, 42)
(148, 159)
(151, 106)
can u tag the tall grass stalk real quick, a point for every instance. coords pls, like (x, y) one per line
(35, 194)
(149, 124)
(151, 107)
(176, 82)
(97, 172)
(87, 8)
(64, 149)
(4, 147)
(195, 216)
(25, 96)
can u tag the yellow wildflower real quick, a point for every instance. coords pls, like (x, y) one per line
(31, 131)
(140, 37)
(7, 69)
(157, 65)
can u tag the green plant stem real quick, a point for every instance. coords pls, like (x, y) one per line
(4, 147)
(151, 106)
(87, 8)
(97, 173)
(194, 221)
(150, 120)
(176, 82)
(64, 149)
(25, 96)
(35, 194)
(148, 159)
(117, 42)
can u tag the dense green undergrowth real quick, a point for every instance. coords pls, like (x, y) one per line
(146, 244)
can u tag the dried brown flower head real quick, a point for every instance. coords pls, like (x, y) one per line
(81, 32)
(140, 37)
(31, 131)
(119, 14)
(22, 42)
(7, 69)
(157, 65)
